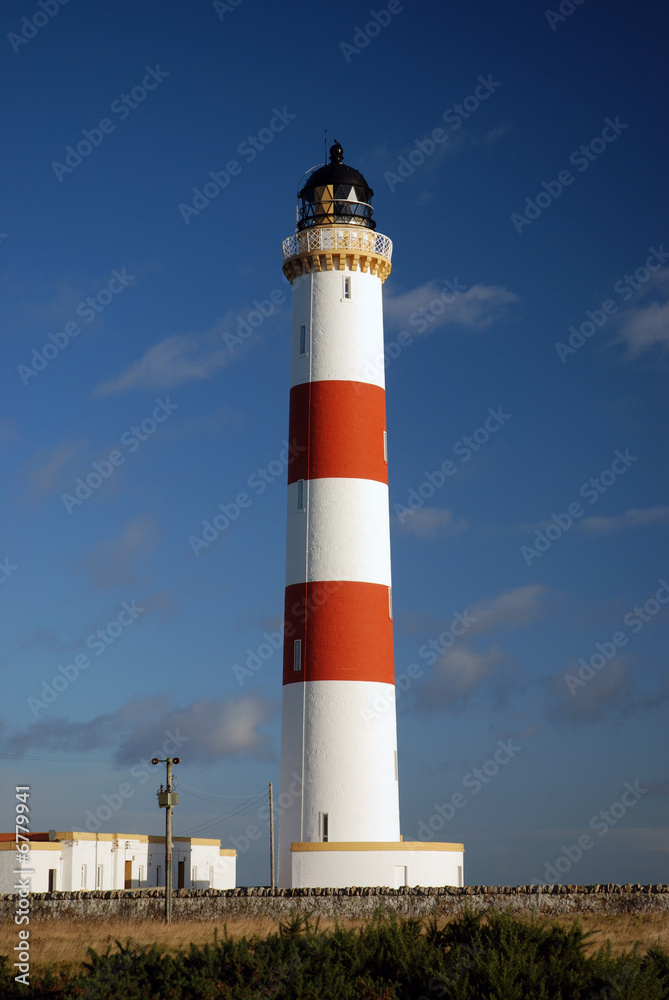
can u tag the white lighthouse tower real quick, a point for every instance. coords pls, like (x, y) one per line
(339, 804)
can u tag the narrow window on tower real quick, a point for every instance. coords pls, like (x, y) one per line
(390, 602)
(303, 340)
(325, 817)
(300, 494)
(347, 288)
(385, 447)
(297, 654)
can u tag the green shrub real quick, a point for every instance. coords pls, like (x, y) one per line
(475, 957)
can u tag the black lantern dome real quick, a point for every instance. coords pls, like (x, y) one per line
(334, 194)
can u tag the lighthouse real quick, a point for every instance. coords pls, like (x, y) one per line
(339, 821)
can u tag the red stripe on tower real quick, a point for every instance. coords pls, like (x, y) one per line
(337, 431)
(345, 630)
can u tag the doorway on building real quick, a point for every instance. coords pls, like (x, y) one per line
(52, 879)
(181, 877)
(401, 876)
(128, 875)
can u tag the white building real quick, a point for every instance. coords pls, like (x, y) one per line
(78, 860)
(339, 732)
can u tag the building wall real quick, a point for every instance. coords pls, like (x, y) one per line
(214, 868)
(49, 856)
(97, 861)
(390, 865)
(225, 870)
(101, 859)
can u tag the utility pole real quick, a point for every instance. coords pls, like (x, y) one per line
(271, 835)
(167, 799)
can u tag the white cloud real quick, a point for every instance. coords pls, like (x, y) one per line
(191, 357)
(645, 328)
(473, 309)
(433, 522)
(208, 729)
(181, 358)
(457, 674)
(632, 518)
(225, 728)
(512, 609)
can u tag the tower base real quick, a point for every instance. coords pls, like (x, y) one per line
(386, 863)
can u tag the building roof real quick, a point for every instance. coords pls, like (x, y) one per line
(54, 836)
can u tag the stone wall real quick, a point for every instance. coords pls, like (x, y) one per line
(212, 904)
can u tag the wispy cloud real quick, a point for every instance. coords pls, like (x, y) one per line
(433, 522)
(8, 432)
(41, 637)
(492, 136)
(48, 305)
(636, 517)
(66, 640)
(464, 670)
(457, 675)
(193, 356)
(592, 701)
(428, 174)
(446, 305)
(224, 420)
(181, 358)
(113, 562)
(513, 609)
(661, 790)
(49, 470)
(633, 518)
(645, 327)
(210, 730)
(611, 693)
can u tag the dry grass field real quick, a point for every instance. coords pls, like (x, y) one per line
(67, 941)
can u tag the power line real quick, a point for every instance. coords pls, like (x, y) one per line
(234, 813)
(68, 760)
(238, 810)
(200, 792)
(244, 803)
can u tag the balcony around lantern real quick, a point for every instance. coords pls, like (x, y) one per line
(323, 239)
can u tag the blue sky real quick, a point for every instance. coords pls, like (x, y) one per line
(518, 160)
